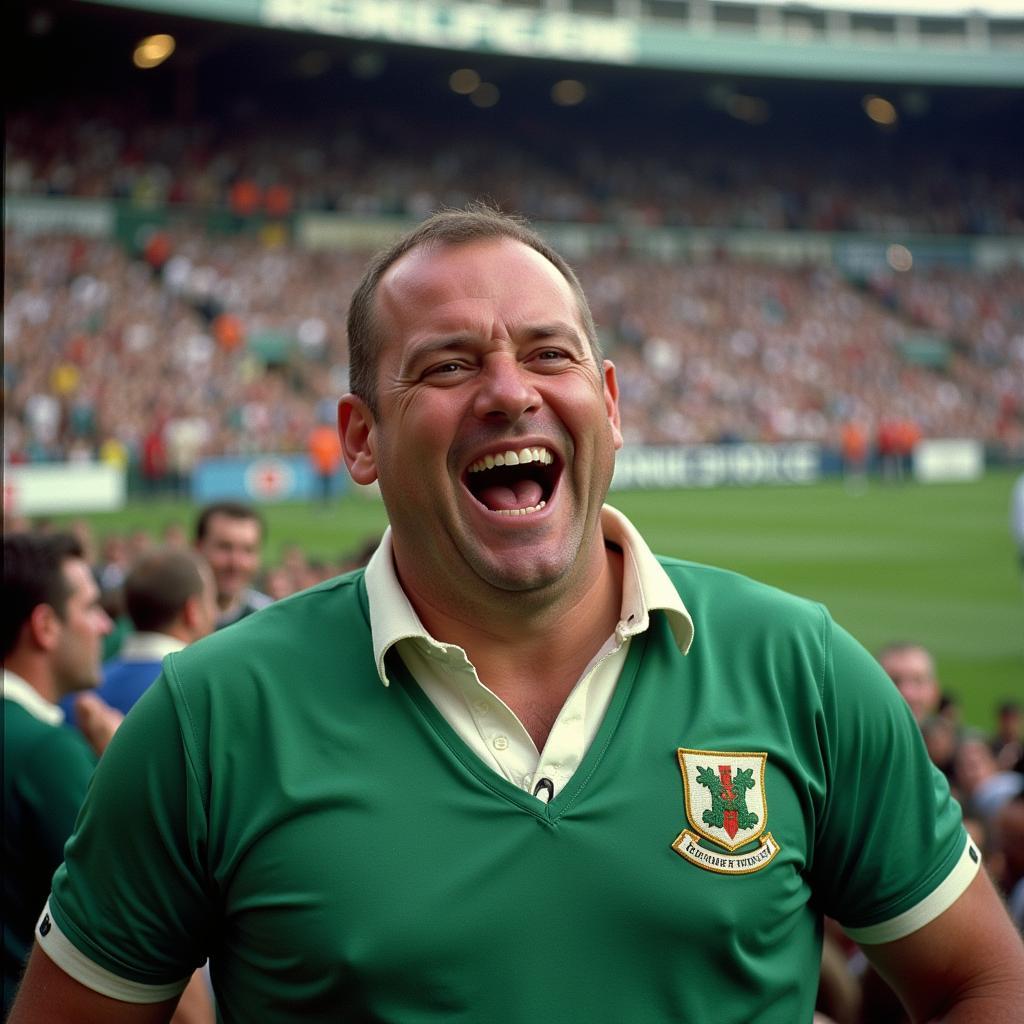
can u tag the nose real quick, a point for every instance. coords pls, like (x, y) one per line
(105, 622)
(505, 390)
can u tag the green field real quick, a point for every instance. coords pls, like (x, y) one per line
(931, 563)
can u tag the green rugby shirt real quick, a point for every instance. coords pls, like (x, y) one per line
(340, 854)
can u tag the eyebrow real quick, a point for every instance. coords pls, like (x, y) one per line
(462, 340)
(560, 329)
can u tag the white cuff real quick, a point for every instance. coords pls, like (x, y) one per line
(937, 901)
(59, 948)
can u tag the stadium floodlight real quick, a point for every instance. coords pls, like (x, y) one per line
(152, 51)
(880, 110)
(568, 92)
(486, 94)
(463, 81)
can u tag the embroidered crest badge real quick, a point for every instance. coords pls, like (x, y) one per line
(725, 805)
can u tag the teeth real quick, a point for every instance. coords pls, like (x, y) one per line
(521, 511)
(513, 458)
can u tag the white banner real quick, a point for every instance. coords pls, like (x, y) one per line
(949, 460)
(63, 487)
(710, 465)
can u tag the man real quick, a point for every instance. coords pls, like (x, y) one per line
(912, 669)
(229, 535)
(170, 598)
(482, 780)
(53, 628)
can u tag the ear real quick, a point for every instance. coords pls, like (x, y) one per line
(355, 428)
(611, 402)
(191, 612)
(44, 627)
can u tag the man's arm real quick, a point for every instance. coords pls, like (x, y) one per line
(47, 994)
(965, 967)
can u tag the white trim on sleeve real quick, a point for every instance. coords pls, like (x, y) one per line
(59, 948)
(939, 900)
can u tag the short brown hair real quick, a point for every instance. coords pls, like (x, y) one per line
(446, 227)
(231, 509)
(34, 575)
(158, 586)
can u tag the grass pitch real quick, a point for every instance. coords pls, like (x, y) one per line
(929, 563)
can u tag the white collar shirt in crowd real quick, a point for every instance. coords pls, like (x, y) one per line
(144, 646)
(483, 721)
(21, 692)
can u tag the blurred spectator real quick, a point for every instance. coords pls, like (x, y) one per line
(1008, 743)
(324, 447)
(949, 708)
(229, 535)
(911, 668)
(854, 448)
(982, 787)
(52, 633)
(171, 600)
(1008, 843)
(175, 535)
(940, 738)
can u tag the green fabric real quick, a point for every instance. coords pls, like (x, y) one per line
(46, 771)
(342, 855)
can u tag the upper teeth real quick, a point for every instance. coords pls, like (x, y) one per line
(513, 458)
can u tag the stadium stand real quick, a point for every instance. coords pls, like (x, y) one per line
(765, 261)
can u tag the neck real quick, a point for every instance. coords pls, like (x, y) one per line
(530, 647)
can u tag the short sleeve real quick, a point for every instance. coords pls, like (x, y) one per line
(891, 850)
(131, 897)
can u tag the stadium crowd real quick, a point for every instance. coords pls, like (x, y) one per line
(200, 344)
(378, 160)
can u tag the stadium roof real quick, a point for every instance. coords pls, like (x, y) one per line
(940, 42)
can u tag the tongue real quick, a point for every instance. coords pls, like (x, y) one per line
(521, 494)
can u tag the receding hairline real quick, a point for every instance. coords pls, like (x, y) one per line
(445, 230)
(437, 246)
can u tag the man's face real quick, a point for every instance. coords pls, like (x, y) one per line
(76, 655)
(912, 671)
(485, 355)
(231, 546)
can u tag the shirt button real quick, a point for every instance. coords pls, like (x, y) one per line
(500, 743)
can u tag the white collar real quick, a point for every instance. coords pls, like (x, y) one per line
(21, 692)
(645, 587)
(144, 646)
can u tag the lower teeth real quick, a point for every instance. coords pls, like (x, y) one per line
(520, 511)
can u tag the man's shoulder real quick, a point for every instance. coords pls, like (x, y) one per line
(703, 585)
(333, 612)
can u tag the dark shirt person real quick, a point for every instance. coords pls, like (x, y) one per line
(53, 629)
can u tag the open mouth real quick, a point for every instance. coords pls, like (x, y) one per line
(516, 482)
